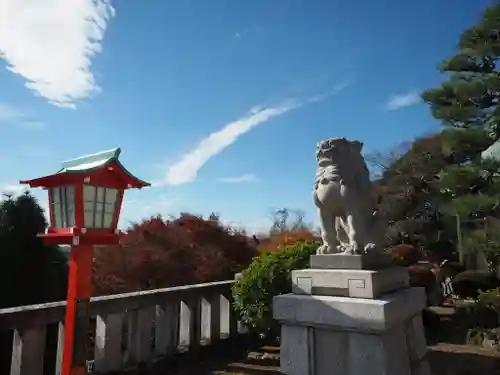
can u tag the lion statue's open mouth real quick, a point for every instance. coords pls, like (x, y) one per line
(344, 196)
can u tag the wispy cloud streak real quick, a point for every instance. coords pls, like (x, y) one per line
(186, 169)
(402, 100)
(246, 178)
(12, 115)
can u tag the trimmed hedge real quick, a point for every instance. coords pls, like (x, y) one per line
(267, 276)
(467, 284)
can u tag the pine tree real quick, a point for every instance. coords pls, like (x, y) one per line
(469, 102)
(471, 95)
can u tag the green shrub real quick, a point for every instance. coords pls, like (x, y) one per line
(491, 299)
(267, 276)
(485, 241)
(475, 336)
(404, 255)
(476, 315)
(467, 284)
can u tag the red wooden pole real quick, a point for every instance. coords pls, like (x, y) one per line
(77, 310)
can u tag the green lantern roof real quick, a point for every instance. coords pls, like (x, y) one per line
(92, 161)
(88, 164)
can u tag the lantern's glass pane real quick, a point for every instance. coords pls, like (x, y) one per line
(55, 209)
(88, 193)
(63, 206)
(109, 208)
(98, 217)
(88, 206)
(69, 203)
(58, 207)
(108, 220)
(100, 194)
(89, 196)
(99, 206)
(88, 219)
(55, 195)
(111, 195)
(56, 212)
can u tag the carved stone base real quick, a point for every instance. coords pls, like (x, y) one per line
(370, 261)
(323, 335)
(348, 282)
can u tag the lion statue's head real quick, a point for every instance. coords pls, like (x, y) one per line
(337, 150)
(341, 158)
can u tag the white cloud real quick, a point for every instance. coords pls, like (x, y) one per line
(256, 226)
(255, 109)
(50, 43)
(335, 90)
(186, 169)
(33, 125)
(13, 188)
(11, 114)
(402, 100)
(240, 179)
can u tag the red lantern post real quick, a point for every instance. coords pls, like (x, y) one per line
(85, 199)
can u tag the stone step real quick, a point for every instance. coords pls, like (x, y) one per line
(370, 261)
(349, 283)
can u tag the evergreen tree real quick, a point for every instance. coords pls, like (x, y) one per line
(468, 101)
(411, 187)
(30, 271)
(471, 95)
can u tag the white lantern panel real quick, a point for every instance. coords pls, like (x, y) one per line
(98, 219)
(69, 201)
(63, 206)
(99, 206)
(56, 212)
(88, 219)
(89, 193)
(109, 208)
(88, 206)
(56, 199)
(108, 220)
(100, 194)
(111, 196)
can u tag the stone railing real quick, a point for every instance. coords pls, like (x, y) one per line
(130, 329)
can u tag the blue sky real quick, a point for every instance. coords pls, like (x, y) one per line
(220, 103)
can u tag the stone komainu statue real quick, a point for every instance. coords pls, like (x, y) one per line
(344, 196)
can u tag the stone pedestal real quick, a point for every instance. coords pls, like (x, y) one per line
(351, 322)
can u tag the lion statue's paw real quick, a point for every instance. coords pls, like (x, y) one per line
(322, 250)
(340, 248)
(351, 249)
(370, 247)
(325, 249)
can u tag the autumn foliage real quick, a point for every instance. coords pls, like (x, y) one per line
(286, 238)
(158, 253)
(404, 254)
(422, 275)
